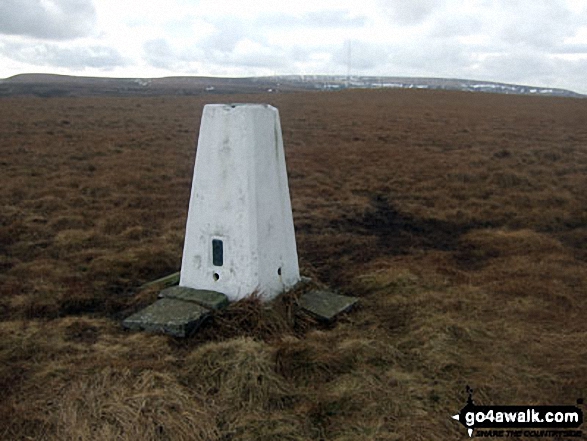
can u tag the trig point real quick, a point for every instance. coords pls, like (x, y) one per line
(240, 233)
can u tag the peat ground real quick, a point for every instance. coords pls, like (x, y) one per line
(460, 220)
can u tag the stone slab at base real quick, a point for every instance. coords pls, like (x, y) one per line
(168, 316)
(326, 305)
(208, 299)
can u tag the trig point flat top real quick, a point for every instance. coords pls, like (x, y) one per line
(240, 233)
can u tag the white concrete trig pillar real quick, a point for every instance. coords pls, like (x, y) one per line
(240, 233)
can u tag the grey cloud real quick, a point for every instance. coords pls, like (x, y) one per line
(220, 48)
(455, 26)
(538, 23)
(570, 49)
(362, 55)
(534, 68)
(505, 24)
(229, 31)
(409, 12)
(269, 58)
(158, 53)
(323, 19)
(438, 58)
(520, 67)
(53, 19)
(76, 58)
(259, 59)
(517, 42)
(300, 53)
(93, 56)
(571, 74)
(335, 18)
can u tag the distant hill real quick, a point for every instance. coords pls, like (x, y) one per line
(49, 85)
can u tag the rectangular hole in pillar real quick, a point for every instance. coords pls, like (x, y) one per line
(217, 252)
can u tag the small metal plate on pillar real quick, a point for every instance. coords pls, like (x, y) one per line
(217, 252)
(326, 305)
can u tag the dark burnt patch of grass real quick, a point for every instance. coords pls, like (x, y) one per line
(82, 332)
(359, 237)
(399, 233)
(77, 305)
(576, 240)
(17, 356)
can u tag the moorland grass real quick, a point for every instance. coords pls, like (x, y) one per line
(459, 219)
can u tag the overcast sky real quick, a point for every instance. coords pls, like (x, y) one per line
(535, 42)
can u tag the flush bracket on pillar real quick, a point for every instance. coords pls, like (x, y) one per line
(217, 252)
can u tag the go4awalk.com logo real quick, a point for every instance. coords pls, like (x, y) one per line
(516, 421)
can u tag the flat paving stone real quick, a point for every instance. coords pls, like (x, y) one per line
(206, 298)
(169, 316)
(326, 305)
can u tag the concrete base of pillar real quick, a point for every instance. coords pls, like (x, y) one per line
(326, 305)
(179, 312)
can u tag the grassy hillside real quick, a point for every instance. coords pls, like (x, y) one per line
(459, 219)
